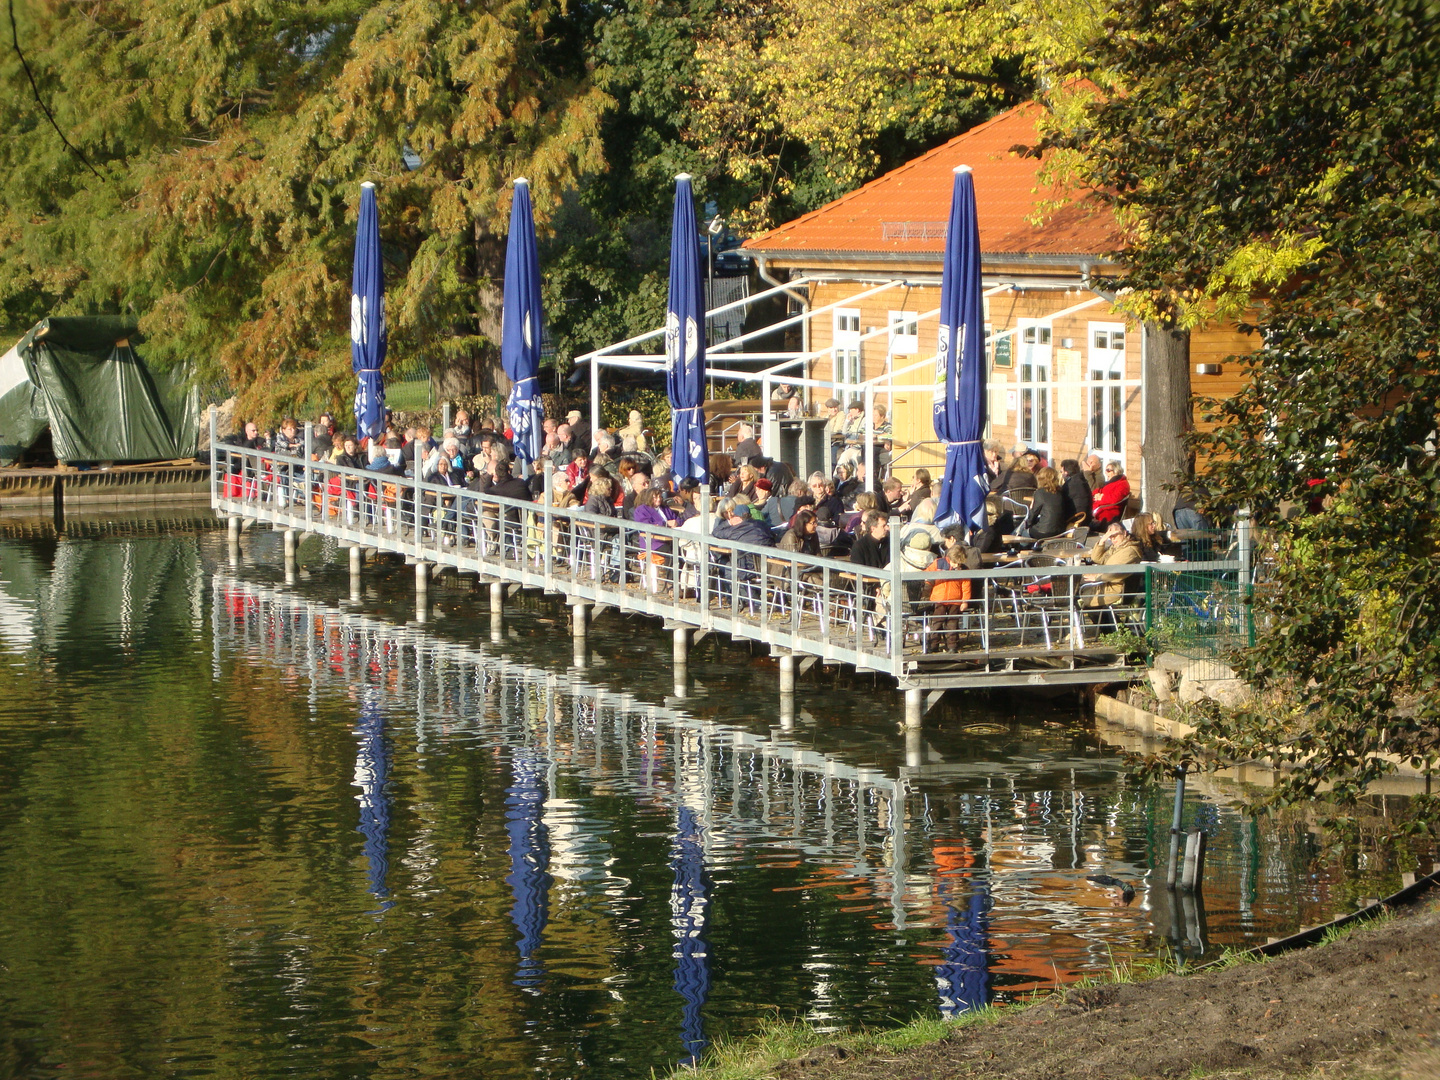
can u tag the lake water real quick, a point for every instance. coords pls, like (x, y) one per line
(251, 829)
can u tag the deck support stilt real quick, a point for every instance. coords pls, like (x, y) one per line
(681, 654)
(290, 545)
(578, 613)
(232, 528)
(497, 598)
(357, 560)
(787, 673)
(422, 576)
(914, 707)
(914, 748)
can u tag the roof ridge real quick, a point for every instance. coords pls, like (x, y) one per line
(894, 173)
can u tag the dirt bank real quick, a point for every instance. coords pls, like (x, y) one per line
(1367, 1005)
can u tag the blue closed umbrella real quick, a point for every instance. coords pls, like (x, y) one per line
(520, 330)
(689, 901)
(960, 364)
(685, 343)
(367, 319)
(529, 878)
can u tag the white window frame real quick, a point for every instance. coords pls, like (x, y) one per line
(904, 333)
(1105, 389)
(1034, 368)
(845, 354)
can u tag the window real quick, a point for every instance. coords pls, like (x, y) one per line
(1105, 392)
(1033, 422)
(846, 353)
(904, 333)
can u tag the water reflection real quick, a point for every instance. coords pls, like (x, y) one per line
(574, 880)
(372, 767)
(689, 901)
(963, 978)
(529, 877)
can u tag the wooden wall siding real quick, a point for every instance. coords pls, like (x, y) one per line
(1069, 410)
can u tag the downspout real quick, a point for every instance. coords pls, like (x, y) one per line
(763, 269)
(1087, 283)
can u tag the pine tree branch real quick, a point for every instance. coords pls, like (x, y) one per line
(15, 40)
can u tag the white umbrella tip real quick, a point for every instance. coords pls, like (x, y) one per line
(962, 169)
(368, 183)
(682, 176)
(520, 181)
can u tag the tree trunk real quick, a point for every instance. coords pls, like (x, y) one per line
(1168, 415)
(478, 371)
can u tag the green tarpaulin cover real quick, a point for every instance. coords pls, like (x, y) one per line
(101, 401)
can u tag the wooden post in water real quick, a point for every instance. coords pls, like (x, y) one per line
(1175, 821)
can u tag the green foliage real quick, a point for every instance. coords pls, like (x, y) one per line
(798, 103)
(1281, 157)
(230, 139)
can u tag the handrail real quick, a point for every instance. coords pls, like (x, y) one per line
(806, 603)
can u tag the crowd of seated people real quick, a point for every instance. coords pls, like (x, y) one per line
(838, 514)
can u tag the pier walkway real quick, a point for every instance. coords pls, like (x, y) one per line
(1028, 624)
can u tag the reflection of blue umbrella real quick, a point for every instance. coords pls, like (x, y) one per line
(964, 978)
(520, 331)
(688, 902)
(685, 344)
(960, 363)
(367, 318)
(528, 879)
(372, 768)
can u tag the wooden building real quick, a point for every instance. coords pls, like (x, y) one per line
(1066, 366)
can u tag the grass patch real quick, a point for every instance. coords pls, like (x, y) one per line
(754, 1057)
(411, 395)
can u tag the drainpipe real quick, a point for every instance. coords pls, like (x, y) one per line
(1088, 284)
(763, 269)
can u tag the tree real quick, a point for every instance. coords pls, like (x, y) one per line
(1279, 159)
(801, 102)
(222, 145)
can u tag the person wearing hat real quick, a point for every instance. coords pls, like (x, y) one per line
(581, 437)
(950, 597)
(916, 554)
(922, 521)
(765, 505)
(632, 435)
(834, 429)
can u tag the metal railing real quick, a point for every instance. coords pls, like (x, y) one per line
(1037, 613)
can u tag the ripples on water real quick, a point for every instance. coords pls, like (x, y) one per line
(253, 830)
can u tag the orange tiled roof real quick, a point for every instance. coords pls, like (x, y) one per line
(903, 213)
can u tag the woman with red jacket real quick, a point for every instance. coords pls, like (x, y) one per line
(1111, 496)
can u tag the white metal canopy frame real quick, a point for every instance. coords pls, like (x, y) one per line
(776, 366)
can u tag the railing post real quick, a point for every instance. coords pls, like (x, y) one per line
(870, 477)
(548, 529)
(897, 598)
(416, 517)
(305, 473)
(1244, 540)
(703, 584)
(214, 452)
